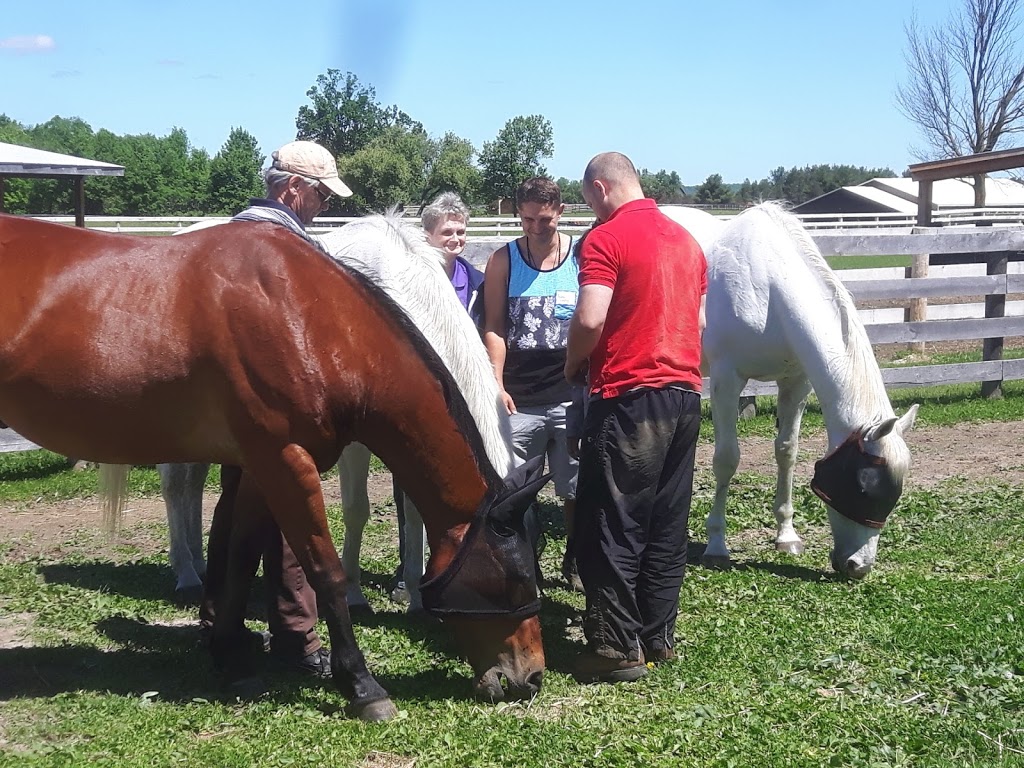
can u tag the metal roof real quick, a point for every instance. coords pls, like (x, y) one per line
(900, 194)
(16, 160)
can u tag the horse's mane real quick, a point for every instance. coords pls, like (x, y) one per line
(397, 257)
(865, 386)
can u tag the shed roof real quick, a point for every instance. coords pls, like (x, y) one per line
(899, 195)
(16, 160)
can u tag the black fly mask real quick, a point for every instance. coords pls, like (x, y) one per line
(856, 484)
(494, 573)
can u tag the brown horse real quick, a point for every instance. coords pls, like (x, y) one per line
(244, 345)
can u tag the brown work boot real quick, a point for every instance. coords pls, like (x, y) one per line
(660, 653)
(607, 665)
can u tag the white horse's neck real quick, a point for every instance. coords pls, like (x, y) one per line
(397, 257)
(839, 362)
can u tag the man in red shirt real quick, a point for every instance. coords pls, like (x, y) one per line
(638, 322)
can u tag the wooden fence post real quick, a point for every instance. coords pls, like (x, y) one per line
(995, 306)
(917, 310)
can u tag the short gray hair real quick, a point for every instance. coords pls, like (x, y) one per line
(447, 205)
(275, 179)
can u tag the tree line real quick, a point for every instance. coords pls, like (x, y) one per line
(384, 155)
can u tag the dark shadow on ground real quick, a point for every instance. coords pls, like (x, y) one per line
(169, 661)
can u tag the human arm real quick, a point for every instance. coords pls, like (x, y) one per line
(702, 321)
(496, 318)
(586, 328)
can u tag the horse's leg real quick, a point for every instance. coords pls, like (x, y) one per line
(291, 485)
(725, 398)
(243, 519)
(414, 555)
(792, 401)
(353, 470)
(175, 482)
(197, 482)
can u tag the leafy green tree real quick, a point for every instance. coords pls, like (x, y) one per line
(450, 168)
(388, 171)
(572, 190)
(235, 173)
(797, 185)
(664, 186)
(713, 191)
(344, 116)
(16, 191)
(515, 155)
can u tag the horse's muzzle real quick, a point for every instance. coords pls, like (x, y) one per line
(489, 686)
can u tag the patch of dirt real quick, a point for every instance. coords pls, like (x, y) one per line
(972, 452)
(52, 530)
(16, 630)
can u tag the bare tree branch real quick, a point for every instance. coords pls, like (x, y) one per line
(965, 80)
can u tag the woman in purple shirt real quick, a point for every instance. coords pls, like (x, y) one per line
(444, 222)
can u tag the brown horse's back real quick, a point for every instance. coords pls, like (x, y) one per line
(144, 336)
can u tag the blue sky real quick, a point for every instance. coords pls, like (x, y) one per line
(734, 87)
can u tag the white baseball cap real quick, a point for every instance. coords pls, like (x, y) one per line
(309, 159)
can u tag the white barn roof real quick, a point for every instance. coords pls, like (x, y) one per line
(27, 161)
(899, 195)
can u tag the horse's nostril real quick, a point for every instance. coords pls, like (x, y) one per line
(534, 682)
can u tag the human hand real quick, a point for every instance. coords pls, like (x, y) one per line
(572, 445)
(578, 376)
(510, 404)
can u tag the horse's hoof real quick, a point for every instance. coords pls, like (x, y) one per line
(374, 712)
(717, 562)
(790, 547)
(247, 688)
(188, 597)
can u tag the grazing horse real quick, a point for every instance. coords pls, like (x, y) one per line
(777, 312)
(397, 258)
(245, 345)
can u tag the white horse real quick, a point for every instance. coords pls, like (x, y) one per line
(397, 257)
(777, 312)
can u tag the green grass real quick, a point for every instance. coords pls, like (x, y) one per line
(869, 262)
(781, 664)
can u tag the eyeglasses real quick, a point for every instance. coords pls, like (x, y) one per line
(324, 195)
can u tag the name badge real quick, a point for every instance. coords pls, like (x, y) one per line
(565, 304)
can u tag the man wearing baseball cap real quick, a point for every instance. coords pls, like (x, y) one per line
(302, 178)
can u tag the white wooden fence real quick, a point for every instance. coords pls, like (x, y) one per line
(1000, 275)
(488, 226)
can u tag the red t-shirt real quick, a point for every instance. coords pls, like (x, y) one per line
(658, 273)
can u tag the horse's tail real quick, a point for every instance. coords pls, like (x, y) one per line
(113, 491)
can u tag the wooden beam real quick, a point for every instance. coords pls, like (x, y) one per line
(945, 330)
(968, 165)
(79, 201)
(924, 204)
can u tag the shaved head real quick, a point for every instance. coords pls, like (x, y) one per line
(612, 167)
(609, 182)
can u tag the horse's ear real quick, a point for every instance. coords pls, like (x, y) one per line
(880, 430)
(521, 487)
(906, 421)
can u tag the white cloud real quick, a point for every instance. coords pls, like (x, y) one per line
(170, 63)
(28, 43)
(63, 74)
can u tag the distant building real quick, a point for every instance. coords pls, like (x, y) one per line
(900, 196)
